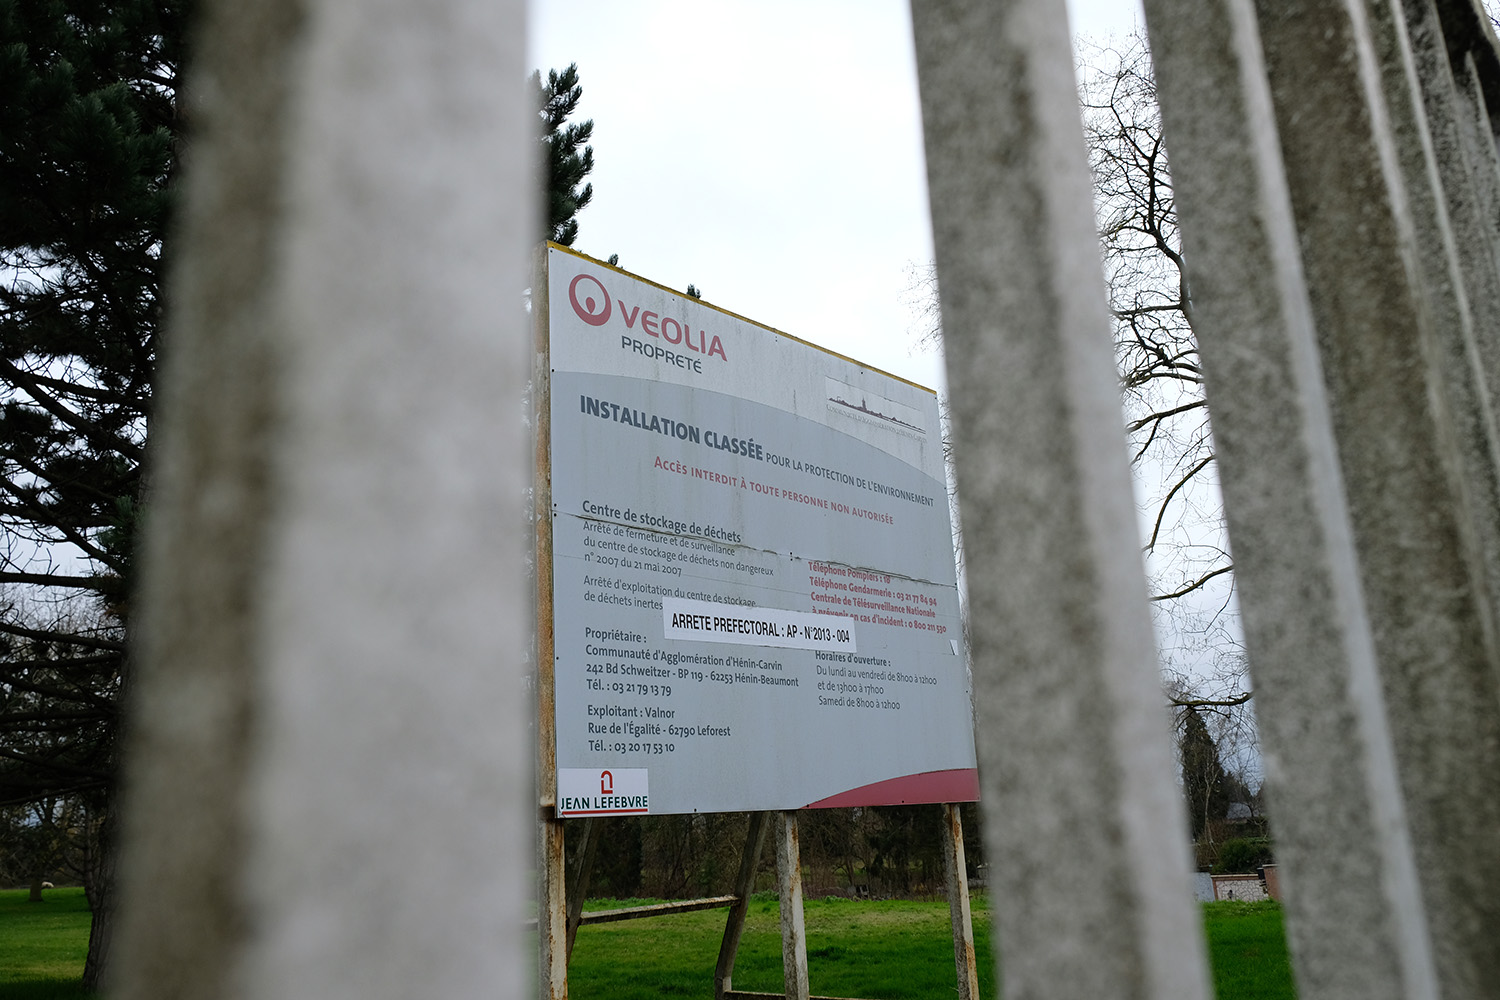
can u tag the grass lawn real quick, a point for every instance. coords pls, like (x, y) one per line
(890, 950)
(43, 945)
(1248, 951)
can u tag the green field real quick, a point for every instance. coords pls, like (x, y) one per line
(892, 950)
(1248, 950)
(43, 945)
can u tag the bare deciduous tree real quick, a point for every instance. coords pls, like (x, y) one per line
(1167, 420)
(1155, 347)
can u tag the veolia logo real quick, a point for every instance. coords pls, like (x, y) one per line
(593, 305)
(589, 310)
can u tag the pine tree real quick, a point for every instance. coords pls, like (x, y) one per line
(1204, 780)
(564, 165)
(89, 137)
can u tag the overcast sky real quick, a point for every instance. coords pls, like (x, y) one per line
(767, 151)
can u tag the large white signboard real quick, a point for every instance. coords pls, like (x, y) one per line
(754, 599)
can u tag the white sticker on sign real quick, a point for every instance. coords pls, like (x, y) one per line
(706, 621)
(588, 791)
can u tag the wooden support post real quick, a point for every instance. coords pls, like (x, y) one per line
(793, 932)
(958, 903)
(552, 914)
(578, 885)
(744, 885)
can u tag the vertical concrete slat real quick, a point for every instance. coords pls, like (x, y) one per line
(1354, 916)
(1449, 253)
(1465, 172)
(330, 729)
(1093, 897)
(1401, 466)
(1476, 130)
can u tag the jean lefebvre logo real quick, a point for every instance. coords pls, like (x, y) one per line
(593, 305)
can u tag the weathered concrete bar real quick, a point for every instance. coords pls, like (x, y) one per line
(1074, 760)
(330, 789)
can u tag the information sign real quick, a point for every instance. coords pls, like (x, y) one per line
(754, 597)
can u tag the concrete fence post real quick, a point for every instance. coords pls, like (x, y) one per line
(1455, 274)
(1083, 818)
(1354, 916)
(1462, 166)
(1400, 425)
(329, 789)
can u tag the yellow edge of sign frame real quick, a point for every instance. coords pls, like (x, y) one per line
(549, 245)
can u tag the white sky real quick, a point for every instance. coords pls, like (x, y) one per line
(767, 151)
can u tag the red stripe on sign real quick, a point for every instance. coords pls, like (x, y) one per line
(957, 785)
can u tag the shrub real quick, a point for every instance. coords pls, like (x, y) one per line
(1243, 855)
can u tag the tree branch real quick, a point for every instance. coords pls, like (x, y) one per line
(94, 583)
(1151, 418)
(109, 442)
(1161, 513)
(46, 635)
(1210, 702)
(1194, 585)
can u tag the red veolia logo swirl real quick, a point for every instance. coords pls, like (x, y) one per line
(592, 304)
(590, 310)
